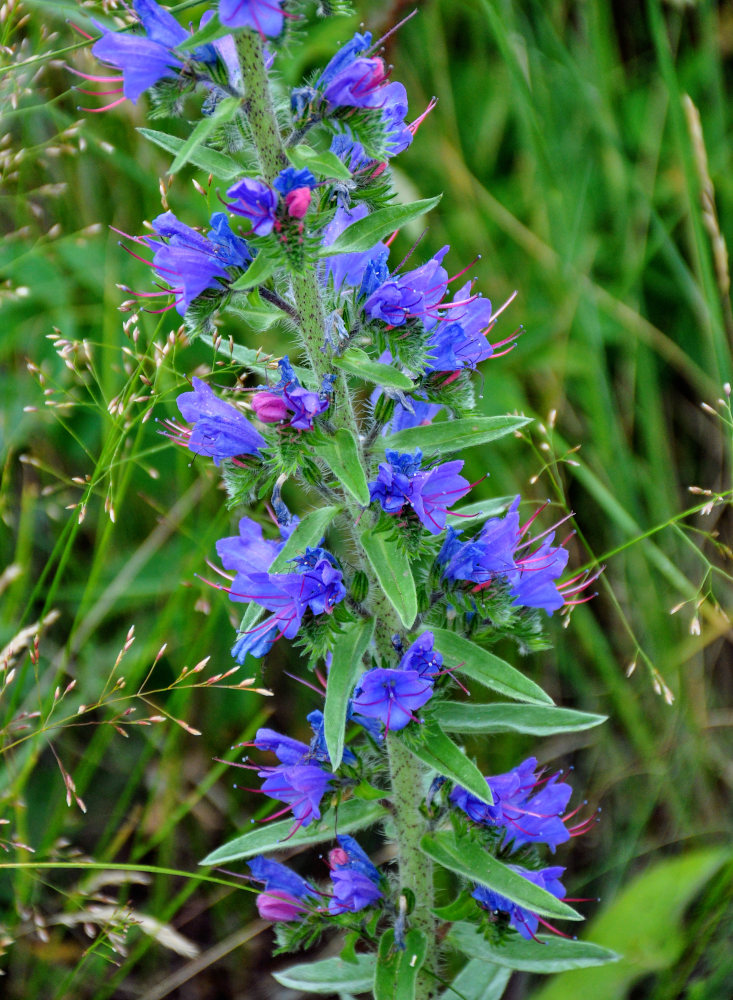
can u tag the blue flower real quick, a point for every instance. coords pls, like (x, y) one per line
(318, 749)
(392, 696)
(422, 657)
(355, 879)
(220, 430)
(429, 492)
(286, 895)
(255, 201)
(143, 60)
(192, 263)
(459, 341)
(249, 550)
(263, 16)
(489, 554)
(528, 807)
(275, 404)
(300, 786)
(525, 921)
(344, 57)
(415, 294)
(350, 268)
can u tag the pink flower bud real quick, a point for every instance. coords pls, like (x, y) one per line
(338, 857)
(298, 201)
(269, 408)
(276, 904)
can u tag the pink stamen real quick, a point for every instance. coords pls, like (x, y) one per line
(551, 928)
(415, 125)
(506, 305)
(98, 93)
(81, 32)
(96, 111)
(92, 77)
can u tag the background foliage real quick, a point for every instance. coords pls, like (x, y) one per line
(569, 158)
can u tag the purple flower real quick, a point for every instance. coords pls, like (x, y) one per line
(142, 60)
(257, 643)
(422, 414)
(286, 895)
(289, 397)
(355, 879)
(529, 807)
(460, 341)
(392, 696)
(301, 786)
(263, 16)
(286, 749)
(344, 57)
(533, 582)
(318, 749)
(430, 492)
(423, 657)
(248, 550)
(190, 262)
(525, 921)
(489, 554)
(358, 85)
(256, 202)
(220, 430)
(349, 268)
(414, 294)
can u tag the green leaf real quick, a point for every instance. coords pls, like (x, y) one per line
(552, 955)
(364, 233)
(352, 815)
(345, 669)
(327, 164)
(341, 452)
(357, 362)
(393, 571)
(478, 981)
(463, 906)
(486, 668)
(534, 720)
(224, 112)
(209, 33)
(474, 513)
(215, 163)
(256, 361)
(331, 975)
(467, 858)
(430, 744)
(647, 924)
(308, 533)
(395, 975)
(261, 268)
(452, 435)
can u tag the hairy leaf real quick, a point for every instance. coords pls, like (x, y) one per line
(471, 660)
(225, 111)
(451, 435)
(546, 954)
(478, 981)
(395, 975)
(392, 567)
(357, 362)
(261, 268)
(215, 163)
(327, 164)
(331, 975)
(341, 453)
(467, 858)
(345, 669)
(350, 816)
(534, 720)
(434, 748)
(364, 233)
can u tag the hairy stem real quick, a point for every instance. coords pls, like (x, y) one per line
(406, 772)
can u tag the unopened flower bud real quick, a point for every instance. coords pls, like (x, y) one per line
(337, 857)
(269, 407)
(276, 904)
(359, 586)
(298, 202)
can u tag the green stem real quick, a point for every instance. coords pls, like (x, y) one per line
(406, 772)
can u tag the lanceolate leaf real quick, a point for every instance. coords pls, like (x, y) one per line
(546, 954)
(393, 571)
(450, 435)
(215, 163)
(478, 981)
(308, 532)
(357, 362)
(224, 112)
(332, 975)
(350, 816)
(341, 453)
(471, 660)
(467, 858)
(326, 164)
(434, 748)
(212, 30)
(254, 360)
(261, 268)
(395, 975)
(534, 720)
(345, 669)
(363, 234)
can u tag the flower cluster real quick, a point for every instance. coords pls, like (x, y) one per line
(373, 583)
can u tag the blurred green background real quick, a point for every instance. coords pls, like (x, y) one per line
(567, 145)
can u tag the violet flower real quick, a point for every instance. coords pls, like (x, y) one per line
(414, 294)
(220, 431)
(429, 492)
(275, 404)
(256, 201)
(355, 879)
(525, 921)
(264, 16)
(460, 340)
(300, 786)
(391, 695)
(286, 896)
(349, 268)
